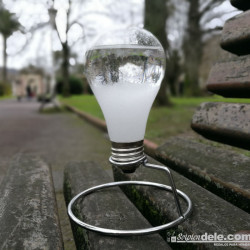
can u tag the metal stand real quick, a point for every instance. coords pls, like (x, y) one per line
(114, 232)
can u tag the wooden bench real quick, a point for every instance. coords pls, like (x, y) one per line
(109, 209)
(223, 172)
(216, 179)
(211, 214)
(241, 4)
(28, 211)
(215, 176)
(49, 99)
(230, 77)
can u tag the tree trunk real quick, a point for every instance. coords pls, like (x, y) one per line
(155, 21)
(193, 49)
(173, 88)
(162, 97)
(173, 71)
(4, 59)
(65, 70)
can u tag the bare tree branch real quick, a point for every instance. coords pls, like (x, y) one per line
(212, 16)
(212, 4)
(79, 39)
(38, 26)
(76, 20)
(58, 34)
(67, 16)
(55, 24)
(209, 31)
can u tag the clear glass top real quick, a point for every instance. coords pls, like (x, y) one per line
(130, 36)
(126, 56)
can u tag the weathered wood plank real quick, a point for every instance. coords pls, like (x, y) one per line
(224, 122)
(221, 171)
(108, 208)
(236, 34)
(231, 78)
(241, 4)
(28, 211)
(211, 214)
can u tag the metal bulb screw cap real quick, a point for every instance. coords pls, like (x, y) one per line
(127, 156)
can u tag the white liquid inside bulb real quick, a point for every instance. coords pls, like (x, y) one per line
(125, 108)
(125, 81)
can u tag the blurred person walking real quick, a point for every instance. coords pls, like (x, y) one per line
(28, 92)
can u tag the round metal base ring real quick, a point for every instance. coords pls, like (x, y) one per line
(116, 232)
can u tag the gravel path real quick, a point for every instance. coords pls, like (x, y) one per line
(58, 138)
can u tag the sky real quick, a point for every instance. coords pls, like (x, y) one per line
(96, 17)
(177, 23)
(91, 18)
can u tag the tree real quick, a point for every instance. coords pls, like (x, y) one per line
(63, 36)
(76, 22)
(174, 71)
(111, 10)
(193, 41)
(156, 15)
(8, 25)
(65, 46)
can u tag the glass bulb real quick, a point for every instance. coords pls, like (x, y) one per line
(125, 70)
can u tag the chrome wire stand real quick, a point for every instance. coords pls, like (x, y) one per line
(128, 159)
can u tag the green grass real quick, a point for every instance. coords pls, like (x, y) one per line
(85, 103)
(5, 97)
(195, 101)
(163, 122)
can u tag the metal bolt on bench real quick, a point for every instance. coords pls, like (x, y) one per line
(125, 71)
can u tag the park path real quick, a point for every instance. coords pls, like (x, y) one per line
(57, 138)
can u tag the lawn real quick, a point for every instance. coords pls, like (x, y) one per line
(5, 97)
(163, 121)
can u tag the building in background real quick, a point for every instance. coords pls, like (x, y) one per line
(32, 77)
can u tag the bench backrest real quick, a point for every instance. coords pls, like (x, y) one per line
(229, 122)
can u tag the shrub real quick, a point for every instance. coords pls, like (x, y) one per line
(75, 85)
(5, 89)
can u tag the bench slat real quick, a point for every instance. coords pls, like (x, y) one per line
(241, 4)
(108, 208)
(236, 34)
(210, 213)
(28, 211)
(221, 171)
(224, 122)
(231, 78)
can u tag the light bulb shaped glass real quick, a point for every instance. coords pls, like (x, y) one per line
(125, 70)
